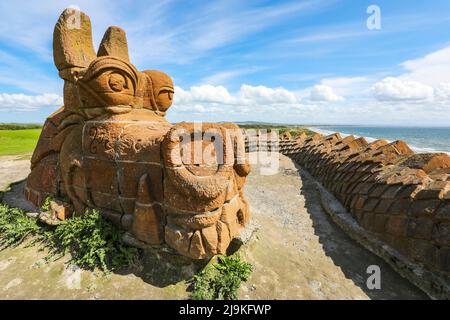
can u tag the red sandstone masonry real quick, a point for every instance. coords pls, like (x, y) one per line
(110, 148)
(400, 196)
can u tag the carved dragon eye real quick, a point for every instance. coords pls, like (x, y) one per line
(117, 82)
(166, 91)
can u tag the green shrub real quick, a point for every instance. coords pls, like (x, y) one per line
(46, 205)
(282, 130)
(221, 281)
(92, 242)
(15, 226)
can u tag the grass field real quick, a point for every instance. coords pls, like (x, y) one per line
(15, 142)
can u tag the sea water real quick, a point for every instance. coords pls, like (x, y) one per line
(420, 139)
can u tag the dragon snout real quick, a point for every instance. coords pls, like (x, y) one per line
(198, 160)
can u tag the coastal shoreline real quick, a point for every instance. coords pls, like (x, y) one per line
(415, 148)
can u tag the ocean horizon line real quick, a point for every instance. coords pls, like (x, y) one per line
(414, 147)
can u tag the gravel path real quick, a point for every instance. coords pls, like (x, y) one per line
(13, 168)
(300, 253)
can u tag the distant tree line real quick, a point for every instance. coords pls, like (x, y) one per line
(19, 126)
(293, 130)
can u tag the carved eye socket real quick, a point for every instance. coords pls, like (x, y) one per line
(169, 94)
(117, 82)
(166, 91)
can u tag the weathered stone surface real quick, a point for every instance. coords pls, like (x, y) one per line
(286, 136)
(371, 204)
(423, 207)
(114, 43)
(111, 148)
(422, 251)
(147, 223)
(178, 238)
(359, 204)
(435, 190)
(211, 238)
(444, 211)
(428, 161)
(379, 223)
(420, 228)
(384, 205)
(400, 207)
(441, 233)
(60, 210)
(43, 179)
(197, 249)
(444, 259)
(72, 40)
(396, 225)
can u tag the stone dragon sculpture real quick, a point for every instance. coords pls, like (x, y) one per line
(110, 148)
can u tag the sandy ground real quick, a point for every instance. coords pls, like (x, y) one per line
(300, 253)
(296, 251)
(13, 168)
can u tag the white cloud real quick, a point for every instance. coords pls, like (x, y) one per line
(426, 79)
(324, 94)
(397, 89)
(197, 99)
(209, 98)
(265, 95)
(222, 77)
(335, 89)
(432, 69)
(349, 86)
(442, 92)
(204, 93)
(22, 102)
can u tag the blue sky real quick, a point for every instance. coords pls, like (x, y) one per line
(306, 62)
